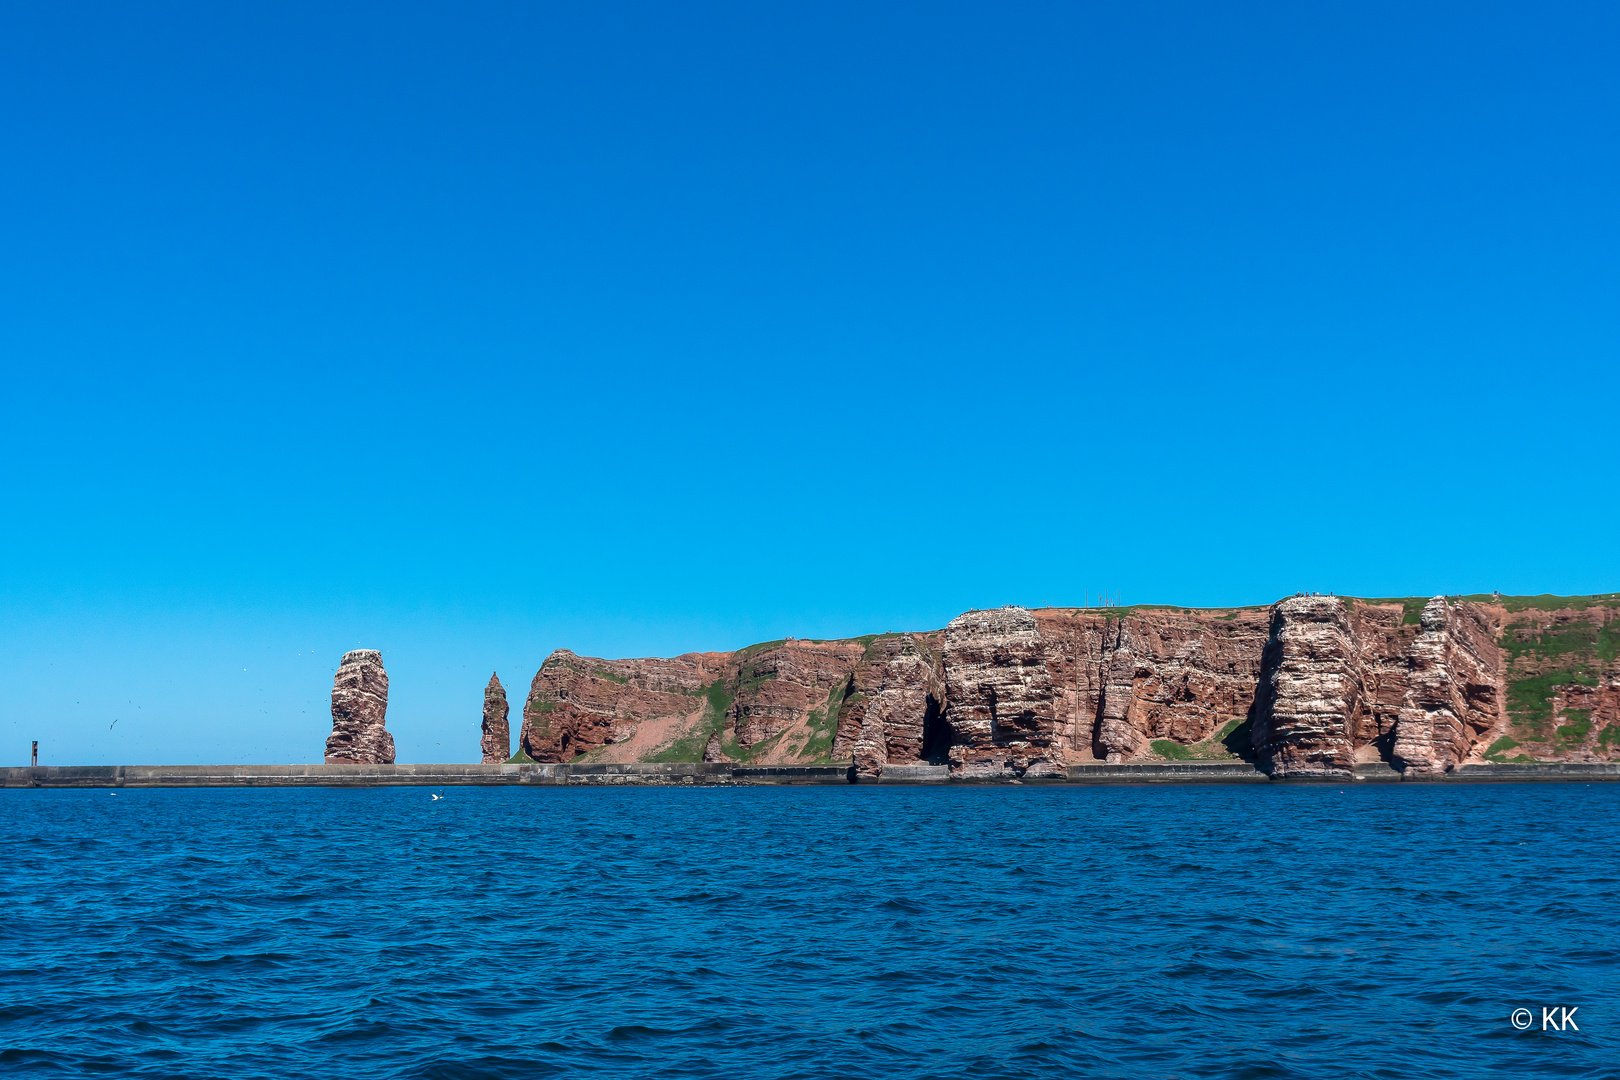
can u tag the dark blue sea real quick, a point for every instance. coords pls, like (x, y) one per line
(1278, 931)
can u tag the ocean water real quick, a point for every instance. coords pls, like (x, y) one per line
(1274, 931)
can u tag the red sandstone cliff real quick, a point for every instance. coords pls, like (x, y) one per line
(579, 705)
(891, 706)
(1311, 686)
(998, 696)
(1123, 678)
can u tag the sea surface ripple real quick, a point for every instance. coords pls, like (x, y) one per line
(1273, 931)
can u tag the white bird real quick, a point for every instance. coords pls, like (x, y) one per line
(436, 798)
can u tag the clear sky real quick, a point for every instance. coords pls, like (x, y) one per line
(471, 331)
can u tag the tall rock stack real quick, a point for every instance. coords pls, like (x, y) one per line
(1310, 698)
(1451, 689)
(497, 735)
(359, 706)
(999, 696)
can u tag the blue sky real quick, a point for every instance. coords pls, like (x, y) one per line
(472, 331)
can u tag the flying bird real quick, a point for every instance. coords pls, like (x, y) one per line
(110, 726)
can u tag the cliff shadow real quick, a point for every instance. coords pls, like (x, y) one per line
(936, 739)
(1240, 740)
(1256, 727)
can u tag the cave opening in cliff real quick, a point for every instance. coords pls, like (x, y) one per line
(936, 736)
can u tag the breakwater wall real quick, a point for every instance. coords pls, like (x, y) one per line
(457, 775)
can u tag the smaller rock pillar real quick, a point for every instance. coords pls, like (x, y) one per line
(497, 743)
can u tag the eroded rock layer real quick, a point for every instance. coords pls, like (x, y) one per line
(359, 709)
(1308, 687)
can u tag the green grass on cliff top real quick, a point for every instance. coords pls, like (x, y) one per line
(1411, 606)
(749, 651)
(1544, 602)
(1548, 602)
(1411, 609)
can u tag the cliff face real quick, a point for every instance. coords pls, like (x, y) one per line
(1561, 692)
(1348, 681)
(1122, 680)
(497, 740)
(777, 688)
(621, 710)
(359, 708)
(1309, 687)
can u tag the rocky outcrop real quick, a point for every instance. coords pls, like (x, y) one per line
(497, 740)
(1348, 681)
(1120, 735)
(359, 708)
(1115, 680)
(1123, 678)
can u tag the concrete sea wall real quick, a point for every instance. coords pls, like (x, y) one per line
(1234, 772)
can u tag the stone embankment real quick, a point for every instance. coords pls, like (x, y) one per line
(454, 775)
